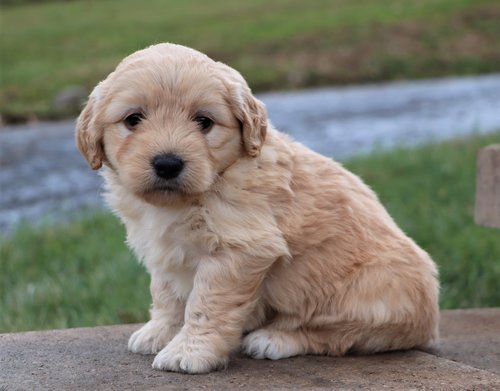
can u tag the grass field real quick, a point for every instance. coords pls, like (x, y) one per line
(81, 274)
(48, 46)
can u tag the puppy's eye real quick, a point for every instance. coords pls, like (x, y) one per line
(132, 120)
(205, 123)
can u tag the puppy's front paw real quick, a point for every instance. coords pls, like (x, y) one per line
(189, 355)
(271, 344)
(151, 338)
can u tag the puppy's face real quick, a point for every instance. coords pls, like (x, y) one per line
(169, 121)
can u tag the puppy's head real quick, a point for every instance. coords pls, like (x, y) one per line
(168, 121)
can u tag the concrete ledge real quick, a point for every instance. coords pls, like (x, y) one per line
(487, 210)
(97, 358)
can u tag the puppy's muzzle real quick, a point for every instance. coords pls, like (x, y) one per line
(167, 166)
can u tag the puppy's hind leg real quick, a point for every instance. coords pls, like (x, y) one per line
(336, 339)
(284, 337)
(274, 344)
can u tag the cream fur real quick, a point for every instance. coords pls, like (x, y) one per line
(262, 243)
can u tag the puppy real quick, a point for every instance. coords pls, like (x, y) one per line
(251, 239)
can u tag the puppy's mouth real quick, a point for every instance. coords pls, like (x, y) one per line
(165, 192)
(164, 187)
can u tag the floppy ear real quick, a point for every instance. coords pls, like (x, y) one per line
(248, 110)
(253, 117)
(88, 135)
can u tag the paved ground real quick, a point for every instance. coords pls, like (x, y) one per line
(468, 358)
(42, 175)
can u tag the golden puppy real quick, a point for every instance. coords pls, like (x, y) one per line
(246, 233)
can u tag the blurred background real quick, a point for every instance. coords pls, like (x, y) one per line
(49, 46)
(395, 79)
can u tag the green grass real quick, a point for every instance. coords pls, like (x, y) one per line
(77, 274)
(275, 44)
(81, 274)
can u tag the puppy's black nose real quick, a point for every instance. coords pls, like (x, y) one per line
(167, 166)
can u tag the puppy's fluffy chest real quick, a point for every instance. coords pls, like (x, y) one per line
(173, 241)
(168, 238)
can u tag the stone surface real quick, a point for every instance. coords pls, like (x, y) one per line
(43, 176)
(97, 358)
(471, 337)
(487, 210)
